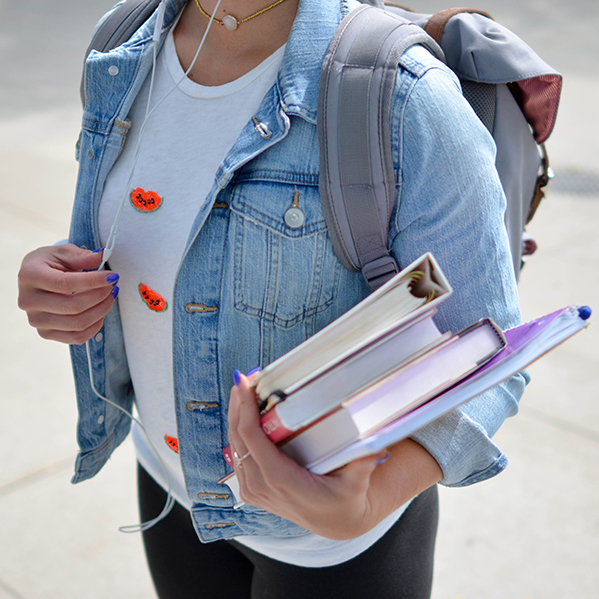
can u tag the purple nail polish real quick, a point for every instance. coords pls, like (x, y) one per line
(98, 250)
(115, 291)
(253, 370)
(112, 278)
(236, 377)
(383, 459)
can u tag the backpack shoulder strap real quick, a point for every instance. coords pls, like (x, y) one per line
(118, 27)
(357, 182)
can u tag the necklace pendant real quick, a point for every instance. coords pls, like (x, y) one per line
(230, 22)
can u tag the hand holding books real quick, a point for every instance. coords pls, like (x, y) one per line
(383, 370)
(342, 505)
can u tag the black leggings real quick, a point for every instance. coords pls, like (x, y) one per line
(398, 566)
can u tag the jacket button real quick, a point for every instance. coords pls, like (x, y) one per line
(113, 70)
(201, 307)
(262, 129)
(214, 495)
(193, 406)
(295, 218)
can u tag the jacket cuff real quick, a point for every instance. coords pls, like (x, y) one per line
(462, 449)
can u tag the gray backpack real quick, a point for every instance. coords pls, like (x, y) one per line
(514, 93)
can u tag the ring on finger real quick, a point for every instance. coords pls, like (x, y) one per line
(237, 459)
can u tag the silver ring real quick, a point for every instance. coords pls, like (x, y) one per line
(237, 459)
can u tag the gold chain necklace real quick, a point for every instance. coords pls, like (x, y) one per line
(230, 22)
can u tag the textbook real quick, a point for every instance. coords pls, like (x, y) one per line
(400, 391)
(524, 344)
(404, 299)
(374, 361)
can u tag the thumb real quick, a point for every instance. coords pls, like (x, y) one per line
(73, 258)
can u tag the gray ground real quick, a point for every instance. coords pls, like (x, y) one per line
(530, 533)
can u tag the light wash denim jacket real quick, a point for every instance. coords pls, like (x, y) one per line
(267, 287)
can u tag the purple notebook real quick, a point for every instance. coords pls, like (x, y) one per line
(525, 344)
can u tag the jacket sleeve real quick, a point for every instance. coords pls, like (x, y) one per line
(450, 202)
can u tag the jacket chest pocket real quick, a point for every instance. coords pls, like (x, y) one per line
(285, 268)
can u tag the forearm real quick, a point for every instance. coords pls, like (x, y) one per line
(409, 471)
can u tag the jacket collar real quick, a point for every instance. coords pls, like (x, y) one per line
(299, 77)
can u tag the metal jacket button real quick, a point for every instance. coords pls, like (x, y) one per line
(295, 218)
(262, 129)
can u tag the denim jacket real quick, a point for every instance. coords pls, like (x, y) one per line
(266, 286)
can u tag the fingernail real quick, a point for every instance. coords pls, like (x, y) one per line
(253, 370)
(115, 291)
(236, 377)
(112, 278)
(98, 250)
(383, 459)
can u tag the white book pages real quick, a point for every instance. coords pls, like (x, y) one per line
(383, 309)
(375, 361)
(424, 379)
(525, 345)
(398, 393)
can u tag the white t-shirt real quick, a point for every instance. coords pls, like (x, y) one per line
(184, 142)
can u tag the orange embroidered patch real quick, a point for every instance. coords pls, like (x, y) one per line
(153, 300)
(172, 442)
(145, 201)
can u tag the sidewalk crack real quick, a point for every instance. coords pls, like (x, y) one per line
(10, 591)
(35, 476)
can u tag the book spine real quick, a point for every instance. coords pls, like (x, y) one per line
(273, 426)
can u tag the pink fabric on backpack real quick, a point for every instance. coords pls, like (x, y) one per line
(539, 99)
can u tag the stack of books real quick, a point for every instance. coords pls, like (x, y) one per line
(383, 370)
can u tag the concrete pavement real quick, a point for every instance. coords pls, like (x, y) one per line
(531, 533)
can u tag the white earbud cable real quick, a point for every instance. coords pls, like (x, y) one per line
(115, 225)
(110, 242)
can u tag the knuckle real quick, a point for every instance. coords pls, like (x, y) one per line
(22, 275)
(46, 334)
(23, 302)
(62, 284)
(78, 338)
(34, 319)
(25, 277)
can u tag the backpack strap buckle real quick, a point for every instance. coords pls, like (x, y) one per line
(379, 271)
(542, 181)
